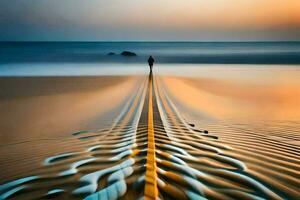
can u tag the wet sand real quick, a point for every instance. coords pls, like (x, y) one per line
(170, 138)
(39, 114)
(37, 107)
(257, 119)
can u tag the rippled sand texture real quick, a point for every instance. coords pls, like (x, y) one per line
(38, 115)
(258, 119)
(151, 152)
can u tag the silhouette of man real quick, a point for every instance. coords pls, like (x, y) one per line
(150, 62)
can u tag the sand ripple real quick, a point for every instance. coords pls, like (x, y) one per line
(179, 161)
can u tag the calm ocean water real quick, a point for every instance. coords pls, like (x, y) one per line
(76, 57)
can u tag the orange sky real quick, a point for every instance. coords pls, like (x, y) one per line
(215, 13)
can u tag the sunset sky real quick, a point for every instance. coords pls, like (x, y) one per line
(202, 20)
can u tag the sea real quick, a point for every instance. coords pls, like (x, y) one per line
(92, 58)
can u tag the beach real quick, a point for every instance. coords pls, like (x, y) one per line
(213, 121)
(154, 136)
(150, 100)
(38, 113)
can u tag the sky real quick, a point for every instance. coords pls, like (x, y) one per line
(150, 20)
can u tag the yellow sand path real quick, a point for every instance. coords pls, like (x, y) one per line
(151, 191)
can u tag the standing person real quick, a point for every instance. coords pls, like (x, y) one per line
(150, 62)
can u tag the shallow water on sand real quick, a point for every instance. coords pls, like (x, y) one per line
(200, 136)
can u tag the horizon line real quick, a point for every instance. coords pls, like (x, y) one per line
(154, 41)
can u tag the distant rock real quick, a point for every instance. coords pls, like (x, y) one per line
(205, 131)
(111, 54)
(128, 53)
